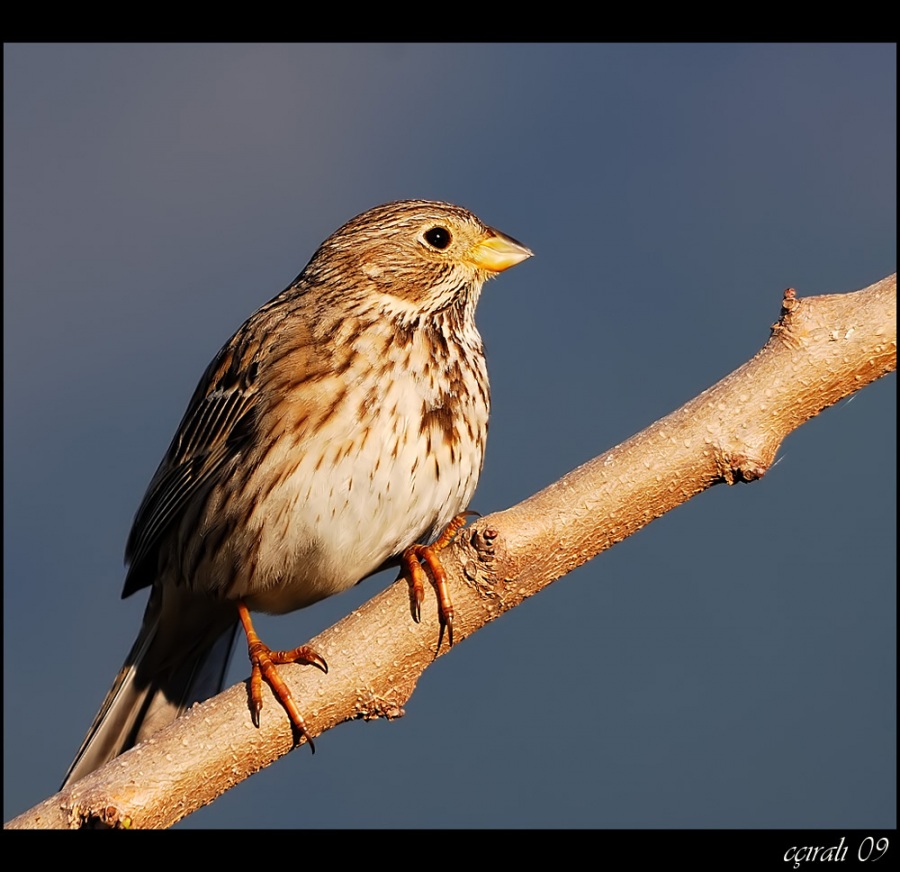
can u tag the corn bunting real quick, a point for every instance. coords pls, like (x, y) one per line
(343, 423)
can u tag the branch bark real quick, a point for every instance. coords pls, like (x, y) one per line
(821, 350)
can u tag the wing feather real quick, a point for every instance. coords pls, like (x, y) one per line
(218, 421)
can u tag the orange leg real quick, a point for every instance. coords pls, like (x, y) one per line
(411, 562)
(264, 660)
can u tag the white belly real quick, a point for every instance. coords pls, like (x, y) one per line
(378, 475)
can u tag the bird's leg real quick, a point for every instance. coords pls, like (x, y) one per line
(263, 660)
(411, 562)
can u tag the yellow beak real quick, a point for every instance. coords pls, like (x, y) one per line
(497, 252)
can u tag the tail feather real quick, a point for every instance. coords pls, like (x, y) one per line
(180, 657)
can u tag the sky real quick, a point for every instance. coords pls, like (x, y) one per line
(731, 665)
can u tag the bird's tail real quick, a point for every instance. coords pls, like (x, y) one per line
(180, 657)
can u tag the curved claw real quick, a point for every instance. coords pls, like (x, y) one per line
(417, 578)
(446, 623)
(263, 661)
(421, 562)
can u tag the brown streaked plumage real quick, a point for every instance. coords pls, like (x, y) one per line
(343, 423)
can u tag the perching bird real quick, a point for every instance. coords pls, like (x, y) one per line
(343, 423)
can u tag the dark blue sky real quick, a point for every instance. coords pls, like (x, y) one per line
(732, 665)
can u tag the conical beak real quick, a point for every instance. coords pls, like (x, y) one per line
(498, 252)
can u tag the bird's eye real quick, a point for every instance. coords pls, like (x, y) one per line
(438, 237)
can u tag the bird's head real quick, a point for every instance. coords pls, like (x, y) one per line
(418, 257)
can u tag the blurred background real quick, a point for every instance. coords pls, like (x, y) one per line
(733, 664)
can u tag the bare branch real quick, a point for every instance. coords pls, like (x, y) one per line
(821, 350)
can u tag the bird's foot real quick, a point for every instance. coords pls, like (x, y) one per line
(263, 661)
(419, 562)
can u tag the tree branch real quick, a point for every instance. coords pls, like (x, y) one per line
(821, 350)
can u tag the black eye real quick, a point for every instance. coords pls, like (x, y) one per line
(438, 237)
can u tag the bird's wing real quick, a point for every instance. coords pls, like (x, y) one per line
(218, 422)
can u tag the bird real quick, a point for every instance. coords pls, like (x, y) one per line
(340, 430)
